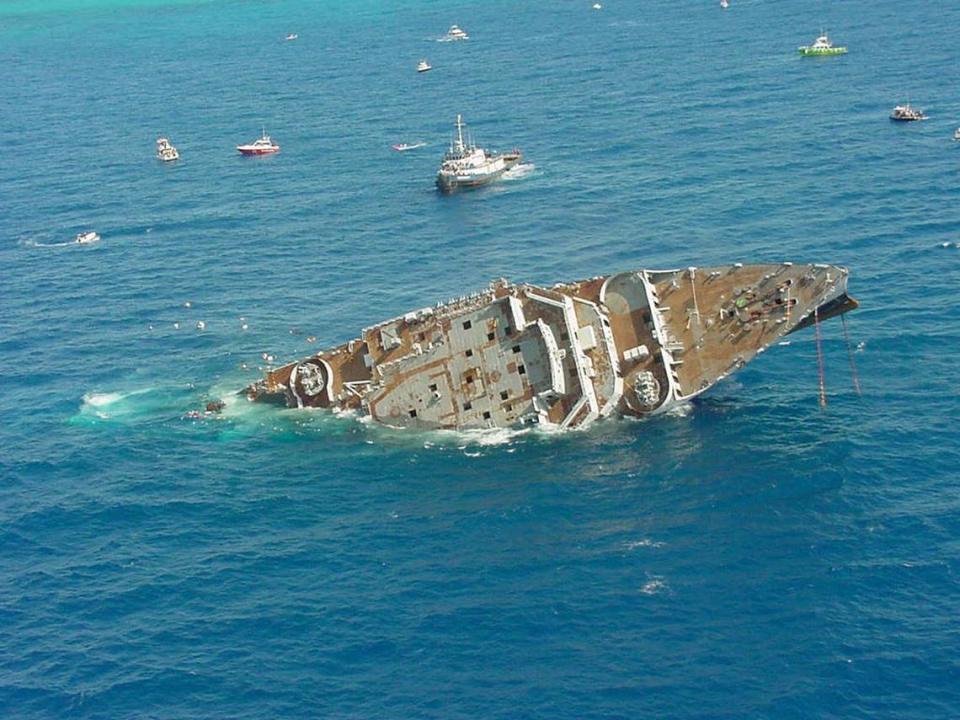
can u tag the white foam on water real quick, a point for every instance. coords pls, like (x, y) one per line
(683, 409)
(30, 242)
(642, 543)
(101, 399)
(654, 586)
(519, 171)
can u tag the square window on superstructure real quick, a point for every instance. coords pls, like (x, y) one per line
(433, 388)
(413, 413)
(469, 353)
(468, 405)
(508, 407)
(490, 336)
(486, 415)
(469, 378)
(467, 324)
(504, 394)
(516, 348)
(521, 369)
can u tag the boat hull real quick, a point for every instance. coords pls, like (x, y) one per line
(257, 151)
(810, 52)
(451, 182)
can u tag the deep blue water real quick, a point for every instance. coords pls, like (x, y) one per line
(751, 557)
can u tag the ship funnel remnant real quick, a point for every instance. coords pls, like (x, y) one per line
(633, 343)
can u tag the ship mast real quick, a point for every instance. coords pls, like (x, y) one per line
(460, 146)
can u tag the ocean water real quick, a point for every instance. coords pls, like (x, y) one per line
(752, 556)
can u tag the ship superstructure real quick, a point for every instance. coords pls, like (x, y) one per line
(465, 165)
(634, 343)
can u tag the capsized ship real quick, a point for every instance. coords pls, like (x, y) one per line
(633, 343)
(465, 165)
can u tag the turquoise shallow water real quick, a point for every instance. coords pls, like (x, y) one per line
(749, 557)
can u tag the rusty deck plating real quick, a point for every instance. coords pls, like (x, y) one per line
(632, 343)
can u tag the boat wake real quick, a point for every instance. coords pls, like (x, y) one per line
(155, 404)
(30, 242)
(519, 171)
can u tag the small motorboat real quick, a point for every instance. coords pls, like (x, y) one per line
(261, 146)
(424, 66)
(166, 151)
(822, 46)
(956, 134)
(906, 113)
(86, 238)
(403, 147)
(292, 36)
(455, 33)
(597, 6)
(724, 4)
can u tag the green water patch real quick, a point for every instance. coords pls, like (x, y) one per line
(64, 7)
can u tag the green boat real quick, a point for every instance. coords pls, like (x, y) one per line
(822, 46)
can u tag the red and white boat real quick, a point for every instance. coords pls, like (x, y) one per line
(261, 146)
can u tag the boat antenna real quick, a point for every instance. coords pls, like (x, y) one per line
(459, 133)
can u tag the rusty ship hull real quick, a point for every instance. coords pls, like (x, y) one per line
(632, 343)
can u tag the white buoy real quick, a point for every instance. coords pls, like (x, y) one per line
(188, 304)
(176, 326)
(201, 325)
(243, 327)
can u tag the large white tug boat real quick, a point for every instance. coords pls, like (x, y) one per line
(465, 165)
(166, 151)
(261, 146)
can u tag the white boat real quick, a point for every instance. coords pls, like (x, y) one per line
(85, 238)
(261, 146)
(424, 66)
(455, 33)
(906, 113)
(956, 134)
(724, 4)
(166, 151)
(292, 36)
(403, 147)
(465, 165)
(597, 6)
